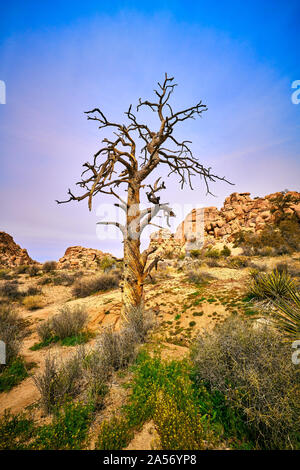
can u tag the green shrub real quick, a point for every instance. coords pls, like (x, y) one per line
(107, 263)
(69, 429)
(12, 375)
(115, 434)
(15, 431)
(195, 253)
(237, 262)
(225, 251)
(271, 285)
(252, 367)
(213, 253)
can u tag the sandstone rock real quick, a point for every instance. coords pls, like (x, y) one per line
(12, 254)
(78, 257)
(239, 212)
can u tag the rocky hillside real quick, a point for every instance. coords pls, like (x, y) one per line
(12, 254)
(80, 257)
(210, 225)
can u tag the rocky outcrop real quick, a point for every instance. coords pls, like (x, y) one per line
(209, 225)
(80, 257)
(167, 246)
(239, 212)
(11, 254)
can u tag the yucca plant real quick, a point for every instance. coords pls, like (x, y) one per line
(288, 314)
(272, 285)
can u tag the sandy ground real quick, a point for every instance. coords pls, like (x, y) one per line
(177, 305)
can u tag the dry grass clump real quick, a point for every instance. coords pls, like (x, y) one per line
(252, 367)
(64, 279)
(199, 277)
(119, 348)
(59, 381)
(103, 282)
(33, 302)
(68, 322)
(12, 331)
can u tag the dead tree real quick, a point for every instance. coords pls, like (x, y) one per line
(122, 163)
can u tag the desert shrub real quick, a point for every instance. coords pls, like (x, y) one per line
(64, 279)
(107, 263)
(225, 251)
(15, 431)
(33, 270)
(274, 239)
(45, 280)
(178, 428)
(257, 267)
(288, 314)
(12, 332)
(69, 429)
(4, 274)
(213, 253)
(12, 375)
(115, 434)
(212, 262)
(120, 348)
(59, 381)
(164, 392)
(10, 289)
(199, 277)
(49, 266)
(238, 262)
(32, 290)
(139, 322)
(271, 285)
(252, 367)
(69, 321)
(103, 282)
(266, 251)
(22, 269)
(117, 348)
(44, 330)
(195, 253)
(33, 302)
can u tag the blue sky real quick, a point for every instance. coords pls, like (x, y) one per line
(59, 59)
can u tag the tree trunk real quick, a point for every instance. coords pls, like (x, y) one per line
(133, 292)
